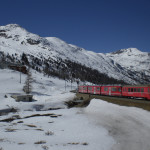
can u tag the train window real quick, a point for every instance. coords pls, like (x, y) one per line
(142, 89)
(84, 88)
(119, 89)
(90, 88)
(149, 90)
(98, 89)
(138, 89)
(105, 89)
(114, 89)
(135, 90)
(128, 89)
(131, 89)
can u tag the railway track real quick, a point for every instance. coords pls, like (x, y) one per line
(140, 103)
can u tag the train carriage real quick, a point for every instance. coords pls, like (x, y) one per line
(142, 91)
(136, 91)
(94, 90)
(111, 90)
(83, 89)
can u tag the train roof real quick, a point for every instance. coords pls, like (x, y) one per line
(102, 85)
(121, 85)
(136, 86)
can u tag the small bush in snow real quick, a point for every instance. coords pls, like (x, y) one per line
(85, 143)
(1, 140)
(49, 133)
(21, 143)
(10, 130)
(40, 142)
(31, 125)
(6, 96)
(45, 147)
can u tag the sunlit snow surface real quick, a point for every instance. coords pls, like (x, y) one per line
(100, 126)
(132, 58)
(129, 126)
(71, 130)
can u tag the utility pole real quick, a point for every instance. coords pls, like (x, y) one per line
(20, 74)
(71, 81)
(65, 84)
(20, 77)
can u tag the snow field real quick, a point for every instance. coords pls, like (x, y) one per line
(99, 126)
(72, 130)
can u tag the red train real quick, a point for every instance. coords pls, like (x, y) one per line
(142, 91)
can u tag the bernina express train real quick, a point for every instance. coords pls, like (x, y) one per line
(141, 91)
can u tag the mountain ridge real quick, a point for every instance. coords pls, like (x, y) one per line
(15, 39)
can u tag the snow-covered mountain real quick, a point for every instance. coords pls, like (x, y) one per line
(133, 60)
(14, 40)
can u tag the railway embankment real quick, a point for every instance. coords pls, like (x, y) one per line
(86, 98)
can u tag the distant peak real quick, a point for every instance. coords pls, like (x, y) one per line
(10, 27)
(13, 25)
(133, 50)
(129, 50)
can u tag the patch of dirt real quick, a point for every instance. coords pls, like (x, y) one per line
(16, 117)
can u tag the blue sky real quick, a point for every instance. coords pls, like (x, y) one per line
(97, 25)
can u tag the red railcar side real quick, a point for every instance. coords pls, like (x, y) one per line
(136, 91)
(101, 90)
(111, 90)
(89, 89)
(82, 89)
(94, 90)
(125, 91)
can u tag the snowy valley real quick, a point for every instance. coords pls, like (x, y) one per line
(47, 123)
(57, 68)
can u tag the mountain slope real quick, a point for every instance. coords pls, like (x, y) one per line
(15, 40)
(133, 60)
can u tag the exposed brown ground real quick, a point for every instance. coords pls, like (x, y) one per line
(144, 104)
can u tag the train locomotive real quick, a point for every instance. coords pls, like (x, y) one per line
(142, 91)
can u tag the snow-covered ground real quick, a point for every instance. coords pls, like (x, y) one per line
(129, 126)
(100, 126)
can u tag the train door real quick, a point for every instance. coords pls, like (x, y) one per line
(148, 94)
(94, 90)
(109, 90)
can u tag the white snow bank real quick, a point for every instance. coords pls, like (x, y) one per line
(128, 125)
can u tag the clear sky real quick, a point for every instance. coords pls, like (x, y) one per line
(97, 25)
